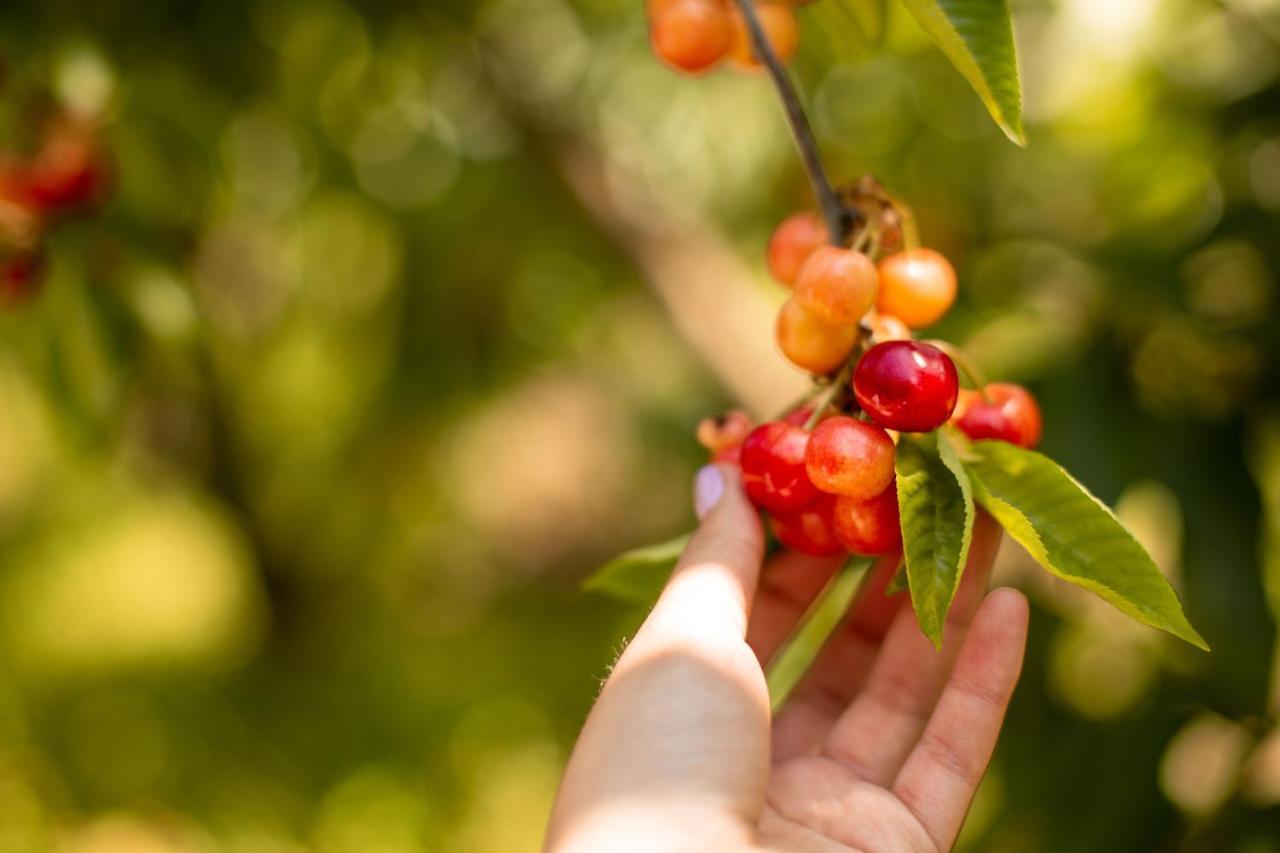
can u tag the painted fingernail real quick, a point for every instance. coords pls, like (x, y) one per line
(708, 488)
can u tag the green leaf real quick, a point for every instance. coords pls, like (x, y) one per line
(638, 575)
(977, 36)
(801, 649)
(1073, 534)
(898, 582)
(935, 502)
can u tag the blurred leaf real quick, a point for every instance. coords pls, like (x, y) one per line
(898, 582)
(1073, 534)
(936, 505)
(639, 574)
(860, 21)
(977, 36)
(794, 659)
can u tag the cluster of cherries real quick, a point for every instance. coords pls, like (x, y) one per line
(824, 473)
(694, 36)
(67, 173)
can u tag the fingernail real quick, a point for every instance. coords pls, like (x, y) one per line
(708, 488)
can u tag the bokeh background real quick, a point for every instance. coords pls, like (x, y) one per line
(397, 320)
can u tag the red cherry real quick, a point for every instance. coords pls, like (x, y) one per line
(850, 457)
(20, 276)
(792, 243)
(906, 385)
(773, 467)
(1008, 414)
(69, 172)
(808, 530)
(869, 527)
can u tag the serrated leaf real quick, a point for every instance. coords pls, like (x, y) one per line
(935, 502)
(977, 36)
(1073, 534)
(638, 575)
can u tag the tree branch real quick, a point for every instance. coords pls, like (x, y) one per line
(839, 218)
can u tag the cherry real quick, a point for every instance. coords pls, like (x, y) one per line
(868, 527)
(780, 28)
(886, 327)
(906, 385)
(20, 276)
(837, 285)
(811, 344)
(793, 241)
(69, 172)
(800, 416)
(809, 530)
(916, 286)
(850, 457)
(1009, 414)
(773, 467)
(690, 35)
(724, 431)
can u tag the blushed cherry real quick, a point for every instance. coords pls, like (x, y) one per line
(811, 344)
(906, 385)
(868, 527)
(846, 456)
(773, 467)
(791, 244)
(837, 285)
(780, 27)
(886, 327)
(1009, 413)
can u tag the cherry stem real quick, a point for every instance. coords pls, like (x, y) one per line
(839, 383)
(966, 365)
(840, 219)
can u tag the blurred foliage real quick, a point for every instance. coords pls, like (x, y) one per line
(317, 424)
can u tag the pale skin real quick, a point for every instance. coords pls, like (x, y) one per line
(879, 749)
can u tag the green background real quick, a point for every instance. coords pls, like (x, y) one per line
(399, 322)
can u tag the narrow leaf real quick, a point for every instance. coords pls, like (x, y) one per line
(638, 575)
(794, 659)
(935, 502)
(1073, 534)
(977, 36)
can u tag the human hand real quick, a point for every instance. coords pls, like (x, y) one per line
(879, 748)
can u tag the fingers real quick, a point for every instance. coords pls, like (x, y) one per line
(878, 729)
(939, 778)
(840, 667)
(788, 587)
(711, 589)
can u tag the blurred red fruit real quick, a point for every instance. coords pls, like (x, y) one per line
(1009, 414)
(792, 243)
(808, 530)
